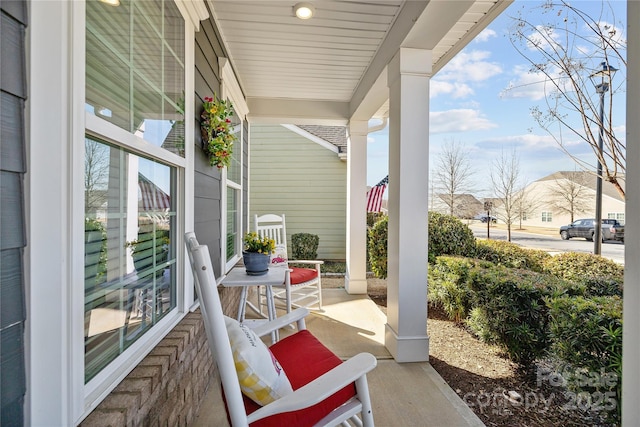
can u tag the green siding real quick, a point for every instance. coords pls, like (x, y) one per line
(307, 182)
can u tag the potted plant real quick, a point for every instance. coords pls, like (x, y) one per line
(257, 252)
(146, 246)
(215, 126)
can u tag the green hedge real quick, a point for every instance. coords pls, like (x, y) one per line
(449, 236)
(449, 285)
(586, 334)
(304, 246)
(511, 255)
(377, 247)
(509, 310)
(576, 266)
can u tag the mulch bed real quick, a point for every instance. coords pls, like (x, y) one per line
(495, 389)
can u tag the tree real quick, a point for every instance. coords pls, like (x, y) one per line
(525, 204)
(96, 174)
(570, 195)
(505, 177)
(453, 174)
(565, 52)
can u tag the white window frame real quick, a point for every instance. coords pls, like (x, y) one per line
(230, 89)
(546, 216)
(54, 262)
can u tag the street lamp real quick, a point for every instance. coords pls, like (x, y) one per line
(600, 80)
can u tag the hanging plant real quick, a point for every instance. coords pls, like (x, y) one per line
(215, 126)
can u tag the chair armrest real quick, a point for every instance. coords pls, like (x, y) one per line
(320, 388)
(296, 316)
(307, 261)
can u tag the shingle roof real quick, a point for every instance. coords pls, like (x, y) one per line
(588, 179)
(337, 135)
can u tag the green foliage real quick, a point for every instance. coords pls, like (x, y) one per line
(304, 246)
(511, 255)
(254, 243)
(95, 252)
(509, 310)
(577, 267)
(377, 247)
(586, 334)
(373, 217)
(449, 236)
(449, 286)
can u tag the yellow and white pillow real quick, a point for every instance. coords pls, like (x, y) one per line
(261, 377)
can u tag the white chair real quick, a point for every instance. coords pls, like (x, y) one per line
(303, 286)
(329, 396)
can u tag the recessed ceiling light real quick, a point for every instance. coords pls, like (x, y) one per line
(304, 10)
(111, 2)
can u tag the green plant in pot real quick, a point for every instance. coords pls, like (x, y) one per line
(146, 246)
(256, 253)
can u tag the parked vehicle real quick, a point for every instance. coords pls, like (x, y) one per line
(484, 218)
(611, 229)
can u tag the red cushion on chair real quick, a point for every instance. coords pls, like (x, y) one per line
(303, 359)
(301, 275)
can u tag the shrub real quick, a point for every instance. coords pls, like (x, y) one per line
(449, 236)
(509, 310)
(577, 267)
(449, 287)
(377, 247)
(304, 246)
(511, 255)
(586, 333)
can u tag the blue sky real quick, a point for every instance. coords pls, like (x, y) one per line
(468, 104)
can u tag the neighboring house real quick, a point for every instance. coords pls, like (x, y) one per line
(297, 172)
(550, 199)
(465, 206)
(88, 335)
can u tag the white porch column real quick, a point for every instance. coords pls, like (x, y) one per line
(406, 329)
(355, 281)
(631, 320)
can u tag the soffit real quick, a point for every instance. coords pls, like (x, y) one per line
(322, 70)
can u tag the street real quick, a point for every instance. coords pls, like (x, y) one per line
(610, 249)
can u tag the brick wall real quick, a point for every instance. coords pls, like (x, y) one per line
(167, 387)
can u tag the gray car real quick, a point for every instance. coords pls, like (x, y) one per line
(611, 229)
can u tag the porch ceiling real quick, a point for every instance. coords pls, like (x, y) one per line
(332, 67)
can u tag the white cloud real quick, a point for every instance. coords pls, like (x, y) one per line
(525, 85)
(472, 66)
(456, 89)
(485, 35)
(459, 120)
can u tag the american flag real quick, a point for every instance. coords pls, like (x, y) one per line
(374, 195)
(152, 198)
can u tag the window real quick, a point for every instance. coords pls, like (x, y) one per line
(547, 217)
(135, 80)
(130, 254)
(616, 215)
(233, 246)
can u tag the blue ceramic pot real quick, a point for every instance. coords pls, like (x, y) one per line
(256, 263)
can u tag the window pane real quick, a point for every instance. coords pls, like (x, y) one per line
(232, 223)
(234, 172)
(135, 69)
(130, 257)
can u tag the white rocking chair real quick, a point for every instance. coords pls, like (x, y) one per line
(327, 391)
(303, 286)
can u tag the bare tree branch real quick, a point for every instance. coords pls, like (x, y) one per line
(564, 52)
(505, 177)
(453, 174)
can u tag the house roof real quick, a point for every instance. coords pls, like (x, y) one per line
(588, 180)
(336, 135)
(332, 68)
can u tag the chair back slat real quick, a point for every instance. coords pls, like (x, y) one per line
(271, 226)
(215, 328)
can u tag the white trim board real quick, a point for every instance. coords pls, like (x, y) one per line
(312, 137)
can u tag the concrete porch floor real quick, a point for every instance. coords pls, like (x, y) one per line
(402, 394)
